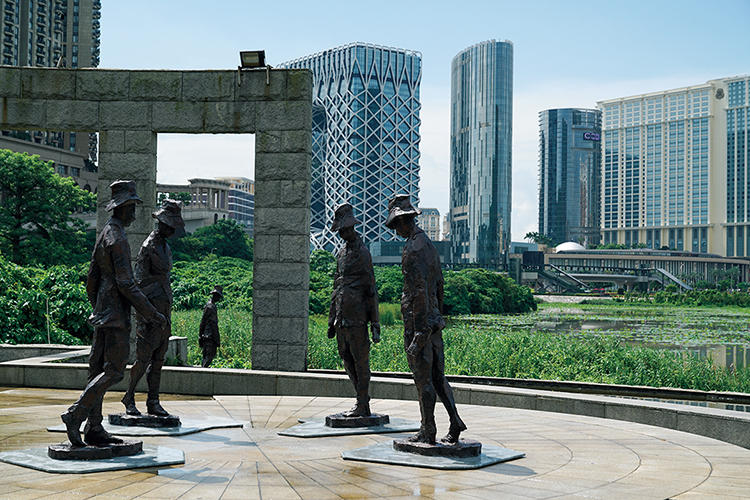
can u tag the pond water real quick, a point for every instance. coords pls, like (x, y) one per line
(721, 334)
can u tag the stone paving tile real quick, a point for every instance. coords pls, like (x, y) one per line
(568, 456)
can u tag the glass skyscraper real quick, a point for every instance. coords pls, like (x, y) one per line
(569, 164)
(738, 160)
(674, 168)
(365, 135)
(481, 132)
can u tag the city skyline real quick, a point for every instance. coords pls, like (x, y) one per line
(552, 66)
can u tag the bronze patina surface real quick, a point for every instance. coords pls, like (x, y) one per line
(208, 338)
(152, 268)
(421, 307)
(354, 305)
(112, 290)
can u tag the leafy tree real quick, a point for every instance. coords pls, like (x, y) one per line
(225, 238)
(323, 261)
(36, 222)
(538, 238)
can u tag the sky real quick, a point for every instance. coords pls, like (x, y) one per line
(567, 53)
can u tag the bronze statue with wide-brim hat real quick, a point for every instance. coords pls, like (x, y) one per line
(421, 307)
(152, 269)
(354, 305)
(208, 336)
(112, 290)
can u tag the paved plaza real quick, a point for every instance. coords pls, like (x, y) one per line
(567, 456)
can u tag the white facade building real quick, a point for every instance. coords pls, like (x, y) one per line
(674, 168)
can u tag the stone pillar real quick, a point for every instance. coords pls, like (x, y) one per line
(128, 155)
(281, 264)
(138, 164)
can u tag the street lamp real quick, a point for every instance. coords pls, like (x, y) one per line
(253, 59)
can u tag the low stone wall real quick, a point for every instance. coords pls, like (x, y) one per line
(725, 425)
(10, 352)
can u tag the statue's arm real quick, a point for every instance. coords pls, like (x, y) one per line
(120, 255)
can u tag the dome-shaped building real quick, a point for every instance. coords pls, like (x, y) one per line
(569, 246)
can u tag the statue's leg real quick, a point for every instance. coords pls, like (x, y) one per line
(80, 410)
(115, 356)
(360, 351)
(153, 376)
(209, 352)
(342, 342)
(421, 368)
(142, 358)
(443, 389)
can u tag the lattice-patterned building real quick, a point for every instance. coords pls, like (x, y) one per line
(365, 135)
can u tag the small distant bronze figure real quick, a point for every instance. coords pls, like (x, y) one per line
(209, 329)
(111, 290)
(421, 307)
(152, 268)
(354, 304)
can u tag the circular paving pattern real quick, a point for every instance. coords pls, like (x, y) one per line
(567, 456)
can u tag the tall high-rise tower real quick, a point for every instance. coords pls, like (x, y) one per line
(365, 135)
(481, 141)
(674, 168)
(569, 165)
(52, 33)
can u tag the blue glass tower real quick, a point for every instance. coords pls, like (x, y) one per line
(738, 159)
(365, 135)
(569, 181)
(481, 132)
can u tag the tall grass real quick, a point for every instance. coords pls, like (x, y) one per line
(515, 351)
(235, 330)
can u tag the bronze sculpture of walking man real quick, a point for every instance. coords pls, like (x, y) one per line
(152, 268)
(208, 337)
(111, 290)
(354, 304)
(421, 307)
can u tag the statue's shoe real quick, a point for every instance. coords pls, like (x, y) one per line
(100, 437)
(422, 437)
(154, 408)
(73, 429)
(454, 433)
(129, 401)
(360, 410)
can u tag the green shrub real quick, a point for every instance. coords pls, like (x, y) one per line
(389, 313)
(26, 296)
(193, 281)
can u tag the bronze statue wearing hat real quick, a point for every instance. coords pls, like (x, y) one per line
(152, 268)
(354, 304)
(208, 337)
(421, 307)
(111, 290)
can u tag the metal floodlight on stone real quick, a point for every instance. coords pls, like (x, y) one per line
(253, 59)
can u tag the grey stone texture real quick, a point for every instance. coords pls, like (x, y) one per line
(189, 425)
(128, 108)
(36, 458)
(384, 453)
(317, 428)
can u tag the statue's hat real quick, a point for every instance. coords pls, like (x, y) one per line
(343, 217)
(218, 290)
(170, 214)
(123, 192)
(399, 206)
